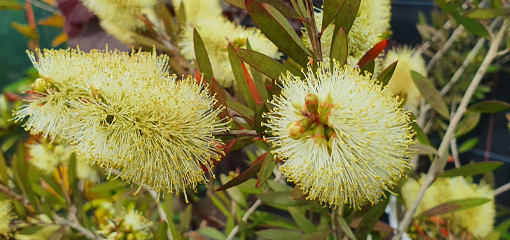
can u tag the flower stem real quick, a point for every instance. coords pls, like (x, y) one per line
(337, 230)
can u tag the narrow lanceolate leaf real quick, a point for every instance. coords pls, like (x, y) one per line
(457, 12)
(331, 8)
(372, 54)
(292, 69)
(59, 39)
(243, 110)
(26, 30)
(370, 219)
(264, 64)
(237, 68)
(279, 234)
(490, 106)
(247, 174)
(281, 199)
(453, 206)
(385, 77)
(274, 25)
(339, 48)
(202, 58)
(368, 68)
(22, 172)
(485, 13)
(320, 235)
(472, 169)
(10, 5)
(297, 193)
(467, 124)
(251, 86)
(72, 171)
(280, 6)
(467, 145)
(345, 17)
(3, 170)
(423, 149)
(303, 222)
(221, 103)
(54, 21)
(259, 81)
(266, 169)
(430, 93)
(420, 135)
(345, 227)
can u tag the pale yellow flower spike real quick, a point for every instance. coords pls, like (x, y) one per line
(196, 9)
(6, 216)
(343, 137)
(401, 82)
(477, 220)
(130, 224)
(372, 22)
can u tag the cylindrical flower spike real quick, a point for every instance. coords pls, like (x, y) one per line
(356, 150)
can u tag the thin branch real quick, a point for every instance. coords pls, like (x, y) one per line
(502, 189)
(250, 212)
(237, 133)
(313, 34)
(75, 225)
(453, 143)
(335, 225)
(46, 7)
(162, 213)
(440, 160)
(15, 196)
(445, 47)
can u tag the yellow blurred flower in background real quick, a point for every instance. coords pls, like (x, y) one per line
(477, 220)
(344, 138)
(129, 225)
(401, 82)
(6, 216)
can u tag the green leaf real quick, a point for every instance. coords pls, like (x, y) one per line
(211, 233)
(387, 73)
(202, 58)
(281, 7)
(264, 64)
(281, 199)
(455, 9)
(162, 231)
(330, 10)
(297, 193)
(485, 13)
(234, 192)
(303, 222)
(467, 145)
(455, 205)
(3, 170)
(279, 234)
(237, 3)
(181, 18)
(293, 69)
(430, 93)
(370, 219)
(216, 90)
(278, 30)
(472, 169)
(72, 170)
(277, 186)
(247, 174)
(339, 49)
(368, 68)
(185, 219)
(490, 106)
(168, 20)
(22, 172)
(254, 89)
(258, 118)
(266, 170)
(467, 124)
(10, 5)
(345, 227)
(346, 15)
(320, 235)
(423, 149)
(420, 135)
(237, 68)
(245, 111)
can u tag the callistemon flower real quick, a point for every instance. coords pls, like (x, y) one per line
(343, 138)
(63, 79)
(155, 131)
(6, 216)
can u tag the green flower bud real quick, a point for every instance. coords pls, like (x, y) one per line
(39, 85)
(312, 103)
(318, 135)
(297, 129)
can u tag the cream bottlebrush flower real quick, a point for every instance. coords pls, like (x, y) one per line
(401, 82)
(216, 34)
(343, 137)
(372, 21)
(196, 9)
(6, 216)
(477, 220)
(155, 131)
(122, 34)
(130, 225)
(123, 12)
(63, 79)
